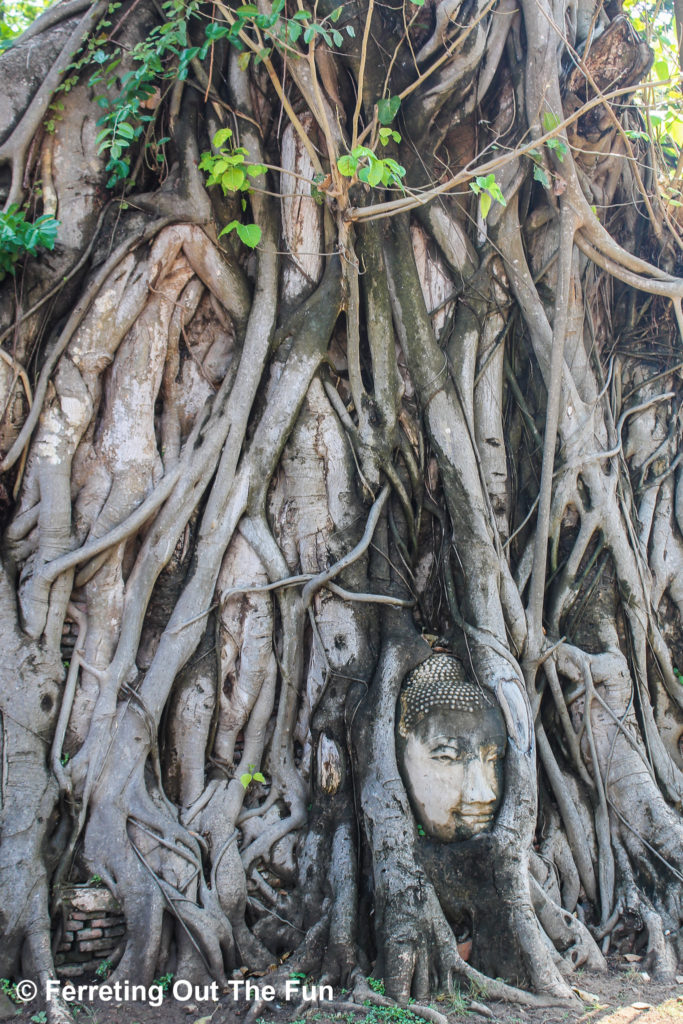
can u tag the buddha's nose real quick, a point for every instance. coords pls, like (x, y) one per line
(477, 788)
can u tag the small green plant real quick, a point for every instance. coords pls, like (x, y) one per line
(228, 168)
(20, 237)
(39, 1018)
(297, 975)
(164, 982)
(64, 760)
(550, 123)
(377, 985)
(362, 164)
(679, 675)
(245, 779)
(132, 110)
(103, 969)
(50, 123)
(457, 1003)
(281, 32)
(421, 831)
(9, 989)
(488, 189)
(391, 1015)
(94, 880)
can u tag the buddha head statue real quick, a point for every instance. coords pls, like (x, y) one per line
(450, 744)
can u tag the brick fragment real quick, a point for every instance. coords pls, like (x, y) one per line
(89, 933)
(96, 944)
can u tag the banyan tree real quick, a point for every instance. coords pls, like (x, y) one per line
(342, 491)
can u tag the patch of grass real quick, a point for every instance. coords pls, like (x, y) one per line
(391, 1015)
(456, 1002)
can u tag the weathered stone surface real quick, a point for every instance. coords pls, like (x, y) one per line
(89, 933)
(89, 899)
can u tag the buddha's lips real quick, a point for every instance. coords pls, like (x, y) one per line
(477, 817)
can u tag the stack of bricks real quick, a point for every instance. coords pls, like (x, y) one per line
(92, 929)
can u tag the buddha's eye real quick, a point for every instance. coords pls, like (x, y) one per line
(446, 755)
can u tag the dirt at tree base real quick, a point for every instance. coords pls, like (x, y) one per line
(622, 996)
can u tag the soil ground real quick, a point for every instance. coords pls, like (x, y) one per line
(623, 996)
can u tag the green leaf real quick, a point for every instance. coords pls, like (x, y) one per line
(388, 133)
(256, 170)
(540, 175)
(496, 193)
(550, 121)
(337, 37)
(375, 172)
(251, 236)
(661, 69)
(243, 61)
(245, 778)
(258, 776)
(484, 204)
(558, 146)
(350, 31)
(222, 137)
(347, 165)
(336, 13)
(387, 109)
(233, 179)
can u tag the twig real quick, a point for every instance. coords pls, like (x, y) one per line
(361, 74)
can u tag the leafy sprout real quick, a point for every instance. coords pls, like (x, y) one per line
(488, 189)
(252, 776)
(20, 237)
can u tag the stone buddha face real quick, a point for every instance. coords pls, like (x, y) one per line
(450, 744)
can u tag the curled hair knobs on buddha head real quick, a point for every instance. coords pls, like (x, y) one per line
(439, 682)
